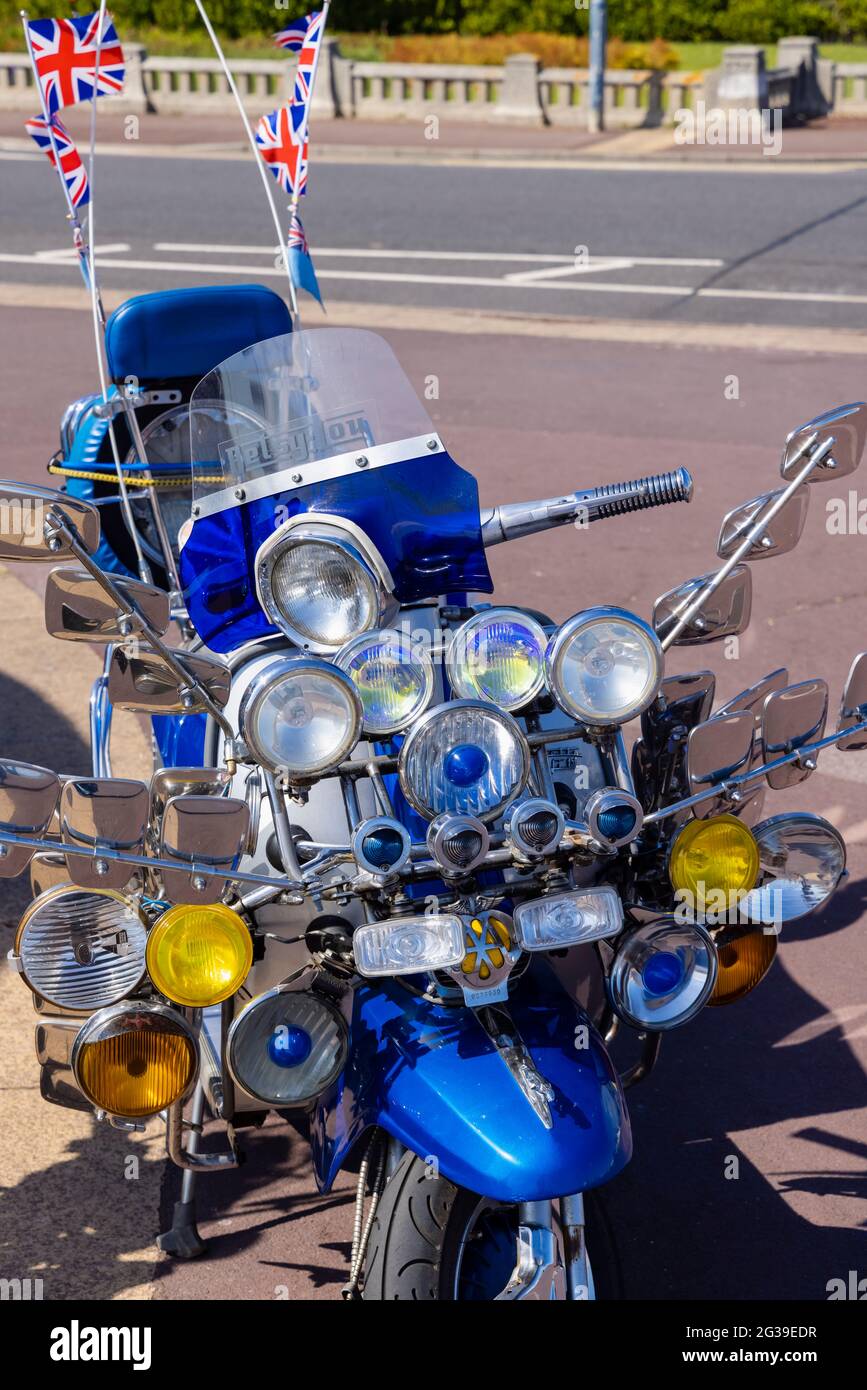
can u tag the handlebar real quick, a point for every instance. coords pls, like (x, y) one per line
(516, 519)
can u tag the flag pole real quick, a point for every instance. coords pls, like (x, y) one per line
(284, 248)
(72, 216)
(326, 6)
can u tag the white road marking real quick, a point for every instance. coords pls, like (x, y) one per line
(398, 254)
(69, 253)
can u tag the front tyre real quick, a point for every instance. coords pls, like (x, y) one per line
(433, 1240)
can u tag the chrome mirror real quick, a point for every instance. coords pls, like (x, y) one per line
(658, 755)
(146, 685)
(79, 609)
(753, 698)
(182, 781)
(853, 708)
(791, 718)
(104, 813)
(28, 799)
(24, 508)
(720, 748)
(781, 534)
(725, 614)
(205, 832)
(846, 427)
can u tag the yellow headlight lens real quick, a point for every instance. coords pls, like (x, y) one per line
(199, 955)
(742, 965)
(710, 856)
(134, 1060)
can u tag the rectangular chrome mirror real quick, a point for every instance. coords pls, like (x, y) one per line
(146, 685)
(846, 426)
(103, 813)
(781, 534)
(720, 748)
(853, 708)
(28, 800)
(78, 609)
(205, 832)
(658, 756)
(791, 718)
(726, 613)
(24, 508)
(753, 698)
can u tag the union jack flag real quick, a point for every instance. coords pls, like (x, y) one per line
(294, 35)
(300, 262)
(64, 54)
(307, 60)
(71, 166)
(279, 138)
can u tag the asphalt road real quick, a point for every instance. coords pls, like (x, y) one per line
(724, 246)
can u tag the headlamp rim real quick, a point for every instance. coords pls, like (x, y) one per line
(370, 827)
(266, 679)
(258, 1000)
(502, 613)
(137, 1007)
(493, 712)
(63, 890)
(363, 639)
(566, 631)
(665, 920)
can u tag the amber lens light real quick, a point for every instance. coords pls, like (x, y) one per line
(742, 965)
(199, 955)
(716, 855)
(134, 1060)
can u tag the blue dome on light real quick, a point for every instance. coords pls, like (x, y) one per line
(465, 764)
(383, 847)
(662, 972)
(616, 821)
(289, 1047)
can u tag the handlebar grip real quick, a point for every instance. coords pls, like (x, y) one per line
(509, 522)
(614, 499)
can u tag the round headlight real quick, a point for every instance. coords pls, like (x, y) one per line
(663, 973)
(604, 666)
(287, 1046)
(743, 964)
(463, 756)
(320, 589)
(394, 680)
(199, 955)
(135, 1059)
(499, 655)
(301, 716)
(713, 857)
(801, 861)
(81, 949)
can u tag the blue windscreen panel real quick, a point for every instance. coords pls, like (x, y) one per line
(421, 514)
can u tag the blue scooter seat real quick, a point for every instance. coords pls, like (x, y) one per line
(183, 334)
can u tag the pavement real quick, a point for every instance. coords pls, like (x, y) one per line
(532, 401)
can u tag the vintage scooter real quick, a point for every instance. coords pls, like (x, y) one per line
(395, 876)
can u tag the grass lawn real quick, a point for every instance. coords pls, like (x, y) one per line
(695, 57)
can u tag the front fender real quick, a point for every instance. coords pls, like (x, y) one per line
(432, 1079)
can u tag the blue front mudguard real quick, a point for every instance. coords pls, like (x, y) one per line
(432, 1079)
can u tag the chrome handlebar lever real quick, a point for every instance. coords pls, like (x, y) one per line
(515, 519)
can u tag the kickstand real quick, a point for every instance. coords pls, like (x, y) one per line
(182, 1239)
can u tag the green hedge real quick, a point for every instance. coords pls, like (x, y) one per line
(737, 21)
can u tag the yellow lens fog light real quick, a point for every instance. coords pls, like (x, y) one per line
(713, 862)
(742, 965)
(134, 1060)
(199, 955)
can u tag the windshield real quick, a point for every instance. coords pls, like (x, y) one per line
(289, 403)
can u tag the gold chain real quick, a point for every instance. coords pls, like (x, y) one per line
(131, 482)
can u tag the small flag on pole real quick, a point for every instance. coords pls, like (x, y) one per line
(71, 166)
(300, 262)
(64, 55)
(307, 60)
(293, 36)
(279, 137)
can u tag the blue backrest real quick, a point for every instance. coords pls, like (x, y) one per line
(177, 334)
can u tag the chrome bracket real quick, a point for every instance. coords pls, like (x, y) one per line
(106, 410)
(538, 1274)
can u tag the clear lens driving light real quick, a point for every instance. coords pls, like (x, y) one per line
(394, 680)
(466, 757)
(567, 919)
(710, 858)
(319, 590)
(663, 974)
(801, 861)
(134, 1060)
(287, 1047)
(409, 945)
(499, 655)
(604, 666)
(301, 716)
(81, 949)
(199, 956)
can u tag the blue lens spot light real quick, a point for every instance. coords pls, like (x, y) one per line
(662, 972)
(383, 848)
(465, 764)
(288, 1046)
(617, 821)
(614, 816)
